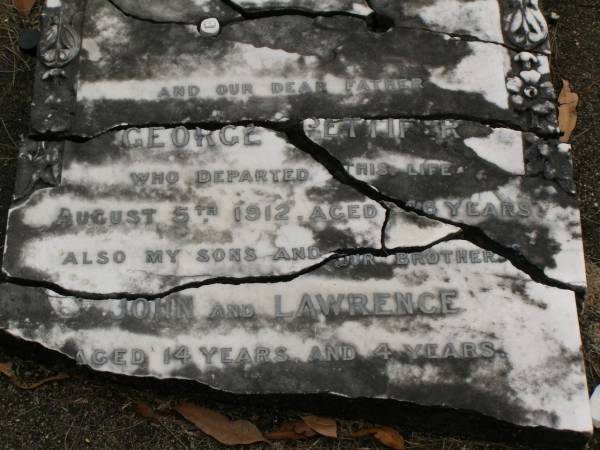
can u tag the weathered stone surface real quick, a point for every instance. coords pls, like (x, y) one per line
(496, 21)
(358, 7)
(499, 21)
(294, 67)
(179, 11)
(410, 230)
(510, 185)
(454, 325)
(595, 406)
(179, 214)
(148, 210)
(193, 11)
(59, 49)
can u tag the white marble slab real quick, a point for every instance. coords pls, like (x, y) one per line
(425, 325)
(149, 210)
(128, 72)
(469, 174)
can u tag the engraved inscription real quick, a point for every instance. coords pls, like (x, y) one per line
(175, 206)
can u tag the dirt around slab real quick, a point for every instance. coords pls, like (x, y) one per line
(96, 411)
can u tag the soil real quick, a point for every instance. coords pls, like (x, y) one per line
(97, 411)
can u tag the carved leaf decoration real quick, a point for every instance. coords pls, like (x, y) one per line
(53, 168)
(48, 44)
(38, 162)
(535, 24)
(48, 176)
(526, 24)
(60, 44)
(27, 174)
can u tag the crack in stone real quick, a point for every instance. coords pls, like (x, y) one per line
(147, 19)
(282, 125)
(295, 135)
(472, 233)
(232, 281)
(386, 222)
(375, 22)
(464, 37)
(288, 11)
(249, 15)
(469, 38)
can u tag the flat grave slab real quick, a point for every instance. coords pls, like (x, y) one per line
(454, 325)
(261, 70)
(367, 201)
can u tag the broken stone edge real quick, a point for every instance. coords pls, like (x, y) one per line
(435, 419)
(55, 90)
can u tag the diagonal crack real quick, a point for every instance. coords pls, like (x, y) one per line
(471, 38)
(246, 14)
(296, 136)
(375, 22)
(234, 281)
(471, 233)
(287, 11)
(386, 222)
(283, 125)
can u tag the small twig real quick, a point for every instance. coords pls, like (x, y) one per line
(31, 409)
(67, 436)
(581, 134)
(8, 133)
(173, 434)
(123, 428)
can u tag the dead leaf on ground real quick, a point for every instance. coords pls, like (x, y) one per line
(386, 435)
(291, 431)
(24, 6)
(146, 411)
(6, 369)
(322, 425)
(567, 111)
(239, 432)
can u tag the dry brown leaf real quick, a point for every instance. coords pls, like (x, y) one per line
(6, 369)
(239, 432)
(386, 435)
(24, 6)
(291, 431)
(567, 111)
(146, 411)
(322, 425)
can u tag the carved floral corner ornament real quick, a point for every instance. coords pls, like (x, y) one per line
(551, 160)
(58, 48)
(531, 94)
(525, 24)
(40, 165)
(60, 44)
